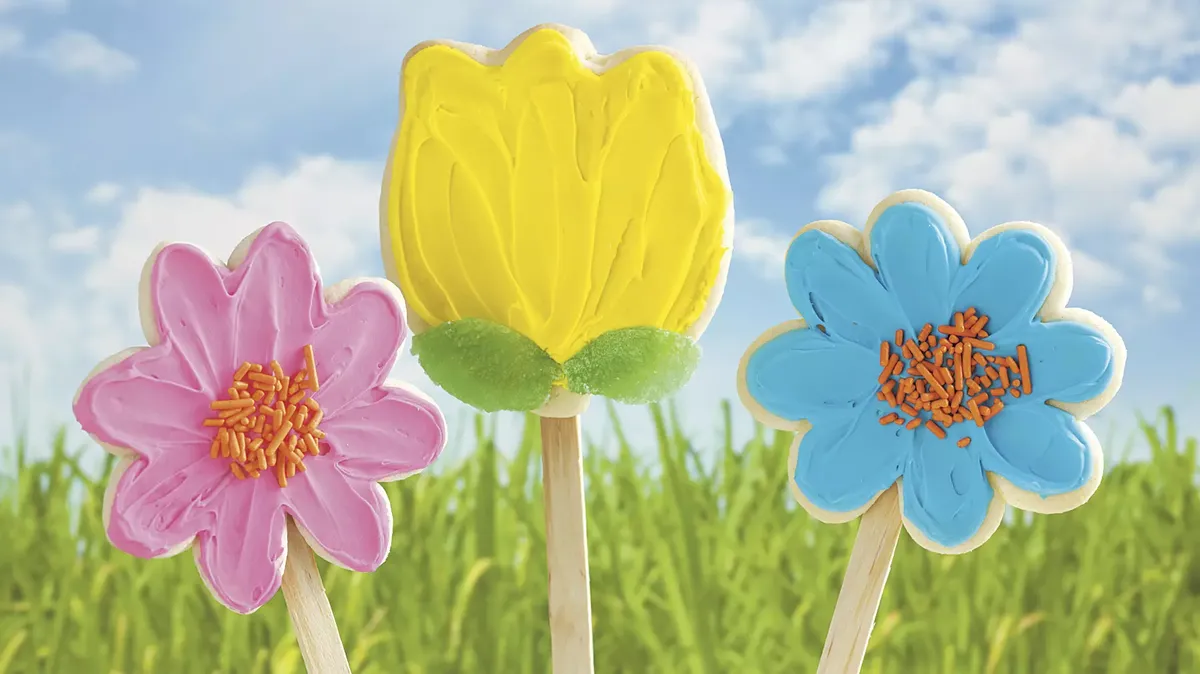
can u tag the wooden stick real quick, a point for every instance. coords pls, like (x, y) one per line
(307, 604)
(566, 547)
(862, 588)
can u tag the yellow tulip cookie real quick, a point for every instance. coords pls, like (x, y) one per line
(559, 221)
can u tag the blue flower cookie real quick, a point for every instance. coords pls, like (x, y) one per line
(949, 366)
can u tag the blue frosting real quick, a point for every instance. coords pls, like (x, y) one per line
(829, 377)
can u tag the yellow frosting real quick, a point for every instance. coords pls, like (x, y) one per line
(542, 196)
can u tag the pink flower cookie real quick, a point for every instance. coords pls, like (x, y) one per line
(259, 396)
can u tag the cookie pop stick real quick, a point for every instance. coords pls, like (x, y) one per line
(930, 380)
(559, 223)
(257, 424)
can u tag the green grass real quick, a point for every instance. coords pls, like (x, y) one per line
(694, 569)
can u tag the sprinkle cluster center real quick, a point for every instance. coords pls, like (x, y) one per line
(949, 375)
(268, 421)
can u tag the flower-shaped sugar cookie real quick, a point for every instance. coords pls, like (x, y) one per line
(947, 365)
(259, 397)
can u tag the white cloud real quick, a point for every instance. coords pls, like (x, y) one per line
(83, 240)
(103, 193)
(1164, 112)
(838, 43)
(771, 155)
(333, 203)
(716, 39)
(75, 52)
(1066, 119)
(757, 243)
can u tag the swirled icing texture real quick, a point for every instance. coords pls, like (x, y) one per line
(829, 378)
(152, 404)
(542, 196)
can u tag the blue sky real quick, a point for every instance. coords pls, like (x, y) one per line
(127, 122)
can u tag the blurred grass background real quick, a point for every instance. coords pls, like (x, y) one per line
(697, 567)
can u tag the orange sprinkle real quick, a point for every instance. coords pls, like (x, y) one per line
(914, 350)
(908, 409)
(946, 376)
(997, 392)
(1023, 361)
(888, 418)
(956, 400)
(238, 404)
(899, 420)
(991, 372)
(243, 414)
(241, 372)
(977, 327)
(311, 443)
(214, 422)
(936, 430)
(913, 423)
(237, 471)
(899, 337)
(1016, 393)
(885, 352)
(1003, 372)
(964, 442)
(974, 407)
(980, 344)
(278, 439)
(893, 360)
(925, 331)
(215, 449)
(312, 424)
(887, 396)
(311, 363)
(262, 378)
(933, 383)
(296, 397)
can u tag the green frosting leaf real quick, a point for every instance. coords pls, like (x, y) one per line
(486, 365)
(633, 365)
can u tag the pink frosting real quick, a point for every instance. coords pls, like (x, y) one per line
(209, 320)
